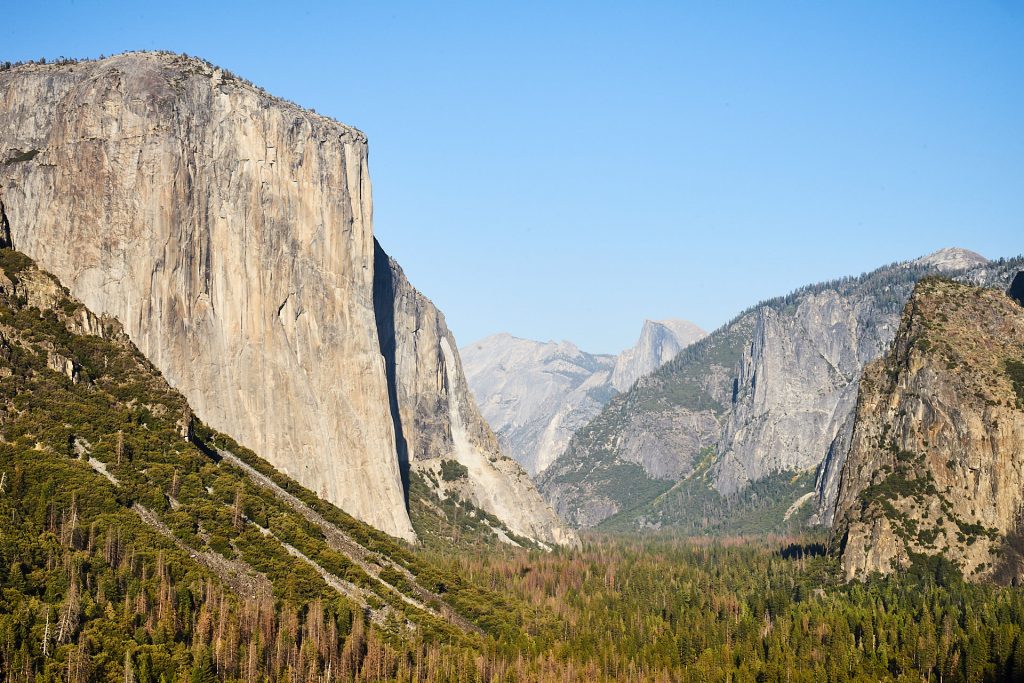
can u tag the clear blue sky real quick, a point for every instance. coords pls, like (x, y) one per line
(565, 170)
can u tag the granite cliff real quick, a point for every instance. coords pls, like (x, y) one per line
(438, 422)
(936, 459)
(230, 232)
(536, 394)
(738, 424)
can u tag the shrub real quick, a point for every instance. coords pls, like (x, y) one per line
(452, 470)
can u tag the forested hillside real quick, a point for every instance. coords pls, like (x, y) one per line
(137, 539)
(138, 545)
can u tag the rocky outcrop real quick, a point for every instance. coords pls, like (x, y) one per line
(436, 419)
(537, 394)
(231, 234)
(936, 461)
(952, 259)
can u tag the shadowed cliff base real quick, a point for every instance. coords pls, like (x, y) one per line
(1016, 290)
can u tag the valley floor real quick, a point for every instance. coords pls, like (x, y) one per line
(657, 609)
(666, 608)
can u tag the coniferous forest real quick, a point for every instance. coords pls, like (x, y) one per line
(135, 546)
(108, 603)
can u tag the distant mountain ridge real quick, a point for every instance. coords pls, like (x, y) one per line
(536, 394)
(740, 421)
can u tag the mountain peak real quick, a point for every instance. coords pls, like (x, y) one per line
(660, 341)
(952, 258)
(682, 329)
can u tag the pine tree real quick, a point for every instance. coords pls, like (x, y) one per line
(1016, 664)
(202, 668)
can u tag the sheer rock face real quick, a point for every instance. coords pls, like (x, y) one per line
(439, 421)
(537, 394)
(231, 234)
(936, 462)
(797, 384)
(664, 443)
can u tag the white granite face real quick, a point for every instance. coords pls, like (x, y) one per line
(231, 233)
